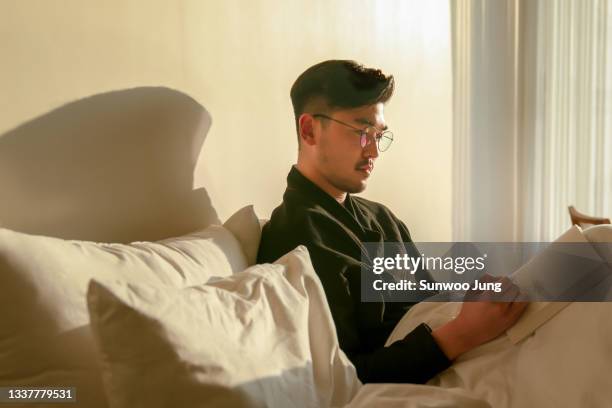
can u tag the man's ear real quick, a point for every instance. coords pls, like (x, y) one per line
(306, 122)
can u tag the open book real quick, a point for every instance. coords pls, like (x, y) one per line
(526, 278)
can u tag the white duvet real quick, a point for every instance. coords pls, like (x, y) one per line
(567, 362)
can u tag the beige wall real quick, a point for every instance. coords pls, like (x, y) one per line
(238, 59)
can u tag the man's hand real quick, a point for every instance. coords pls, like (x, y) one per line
(480, 321)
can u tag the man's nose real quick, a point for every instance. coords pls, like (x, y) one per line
(371, 149)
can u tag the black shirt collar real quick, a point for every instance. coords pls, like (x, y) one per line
(346, 213)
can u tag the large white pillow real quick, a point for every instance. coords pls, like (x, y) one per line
(45, 337)
(262, 337)
(245, 226)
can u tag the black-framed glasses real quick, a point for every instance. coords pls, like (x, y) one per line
(383, 138)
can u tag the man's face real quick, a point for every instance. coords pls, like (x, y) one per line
(339, 157)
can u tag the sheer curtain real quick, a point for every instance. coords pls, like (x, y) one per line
(532, 116)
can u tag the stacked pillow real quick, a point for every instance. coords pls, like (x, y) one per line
(45, 337)
(261, 338)
(181, 322)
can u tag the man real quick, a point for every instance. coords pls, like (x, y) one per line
(338, 107)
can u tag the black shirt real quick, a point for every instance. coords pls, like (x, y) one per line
(334, 235)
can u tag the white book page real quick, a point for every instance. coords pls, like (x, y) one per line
(526, 278)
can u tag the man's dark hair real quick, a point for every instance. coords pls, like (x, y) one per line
(337, 84)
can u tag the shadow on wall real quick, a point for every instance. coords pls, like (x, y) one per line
(114, 167)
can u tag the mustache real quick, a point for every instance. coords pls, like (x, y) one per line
(364, 163)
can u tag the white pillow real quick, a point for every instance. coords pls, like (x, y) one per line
(244, 224)
(601, 237)
(262, 337)
(45, 337)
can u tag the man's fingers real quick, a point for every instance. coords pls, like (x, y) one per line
(507, 292)
(517, 309)
(511, 293)
(516, 306)
(487, 278)
(507, 284)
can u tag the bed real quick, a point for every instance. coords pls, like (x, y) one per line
(190, 320)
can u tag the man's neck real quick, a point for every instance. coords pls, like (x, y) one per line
(320, 181)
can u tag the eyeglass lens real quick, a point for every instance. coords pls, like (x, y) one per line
(383, 140)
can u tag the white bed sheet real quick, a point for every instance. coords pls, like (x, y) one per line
(567, 362)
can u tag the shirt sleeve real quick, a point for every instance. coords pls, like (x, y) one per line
(414, 359)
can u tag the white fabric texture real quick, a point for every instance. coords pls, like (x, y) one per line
(414, 396)
(45, 337)
(565, 363)
(244, 224)
(601, 234)
(262, 337)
